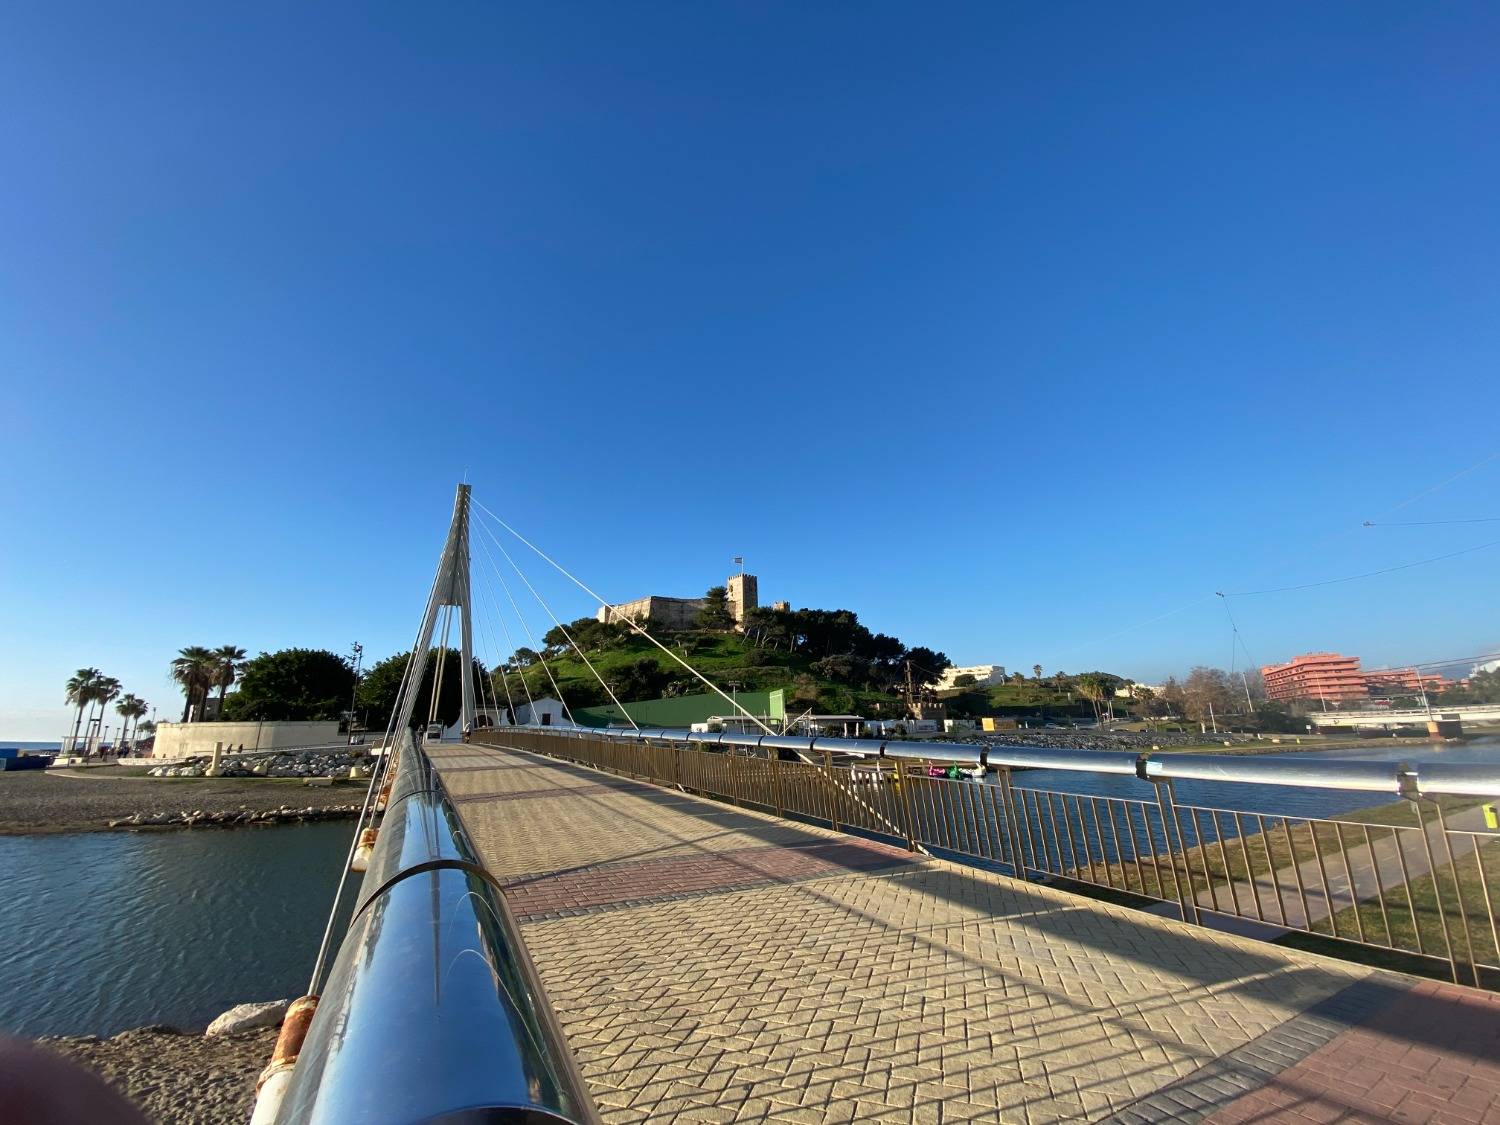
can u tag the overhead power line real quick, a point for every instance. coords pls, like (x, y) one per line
(1432, 523)
(1357, 577)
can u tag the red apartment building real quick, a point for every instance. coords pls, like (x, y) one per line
(1316, 675)
(1335, 678)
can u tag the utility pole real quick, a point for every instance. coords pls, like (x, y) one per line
(910, 705)
(359, 651)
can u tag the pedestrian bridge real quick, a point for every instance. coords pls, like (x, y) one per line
(1439, 720)
(571, 925)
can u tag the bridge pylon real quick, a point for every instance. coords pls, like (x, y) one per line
(450, 590)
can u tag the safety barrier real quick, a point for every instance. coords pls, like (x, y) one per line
(1420, 881)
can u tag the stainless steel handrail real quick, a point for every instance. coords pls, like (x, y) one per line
(433, 1009)
(1410, 778)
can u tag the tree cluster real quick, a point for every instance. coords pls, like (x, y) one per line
(844, 650)
(292, 685)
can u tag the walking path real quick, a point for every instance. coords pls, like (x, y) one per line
(713, 964)
(1310, 892)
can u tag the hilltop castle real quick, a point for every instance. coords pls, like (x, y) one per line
(682, 613)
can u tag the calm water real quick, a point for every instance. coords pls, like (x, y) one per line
(106, 931)
(1272, 798)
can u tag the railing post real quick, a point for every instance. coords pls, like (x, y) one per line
(1437, 892)
(903, 785)
(1012, 829)
(833, 796)
(775, 756)
(1170, 825)
(734, 780)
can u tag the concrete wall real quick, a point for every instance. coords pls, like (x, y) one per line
(183, 740)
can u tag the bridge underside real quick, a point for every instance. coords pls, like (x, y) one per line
(715, 964)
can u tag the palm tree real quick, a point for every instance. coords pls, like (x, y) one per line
(106, 689)
(230, 661)
(1036, 670)
(80, 694)
(194, 668)
(129, 707)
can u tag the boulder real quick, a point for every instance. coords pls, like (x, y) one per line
(248, 1017)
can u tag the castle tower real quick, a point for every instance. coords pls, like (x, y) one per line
(744, 595)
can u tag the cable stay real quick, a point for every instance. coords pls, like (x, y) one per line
(825, 773)
(542, 602)
(628, 621)
(526, 628)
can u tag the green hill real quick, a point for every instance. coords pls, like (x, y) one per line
(635, 669)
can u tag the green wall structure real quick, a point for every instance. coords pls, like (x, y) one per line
(684, 710)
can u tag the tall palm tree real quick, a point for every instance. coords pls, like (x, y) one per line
(231, 660)
(80, 694)
(129, 707)
(194, 668)
(106, 689)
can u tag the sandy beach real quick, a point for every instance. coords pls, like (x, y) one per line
(65, 801)
(173, 1076)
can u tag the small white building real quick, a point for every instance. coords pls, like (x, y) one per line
(984, 675)
(547, 712)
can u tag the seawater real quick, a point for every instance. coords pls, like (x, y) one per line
(100, 932)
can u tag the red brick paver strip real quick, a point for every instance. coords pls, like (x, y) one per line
(659, 879)
(1431, 1055)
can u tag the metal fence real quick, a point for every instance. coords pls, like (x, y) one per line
(1419, 881)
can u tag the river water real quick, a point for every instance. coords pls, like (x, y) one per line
(104, 931)
(1277, 799)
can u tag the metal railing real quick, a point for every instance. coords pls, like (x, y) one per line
(1420, 881)
(432, 1010)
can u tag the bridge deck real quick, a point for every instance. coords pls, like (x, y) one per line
(713, 964)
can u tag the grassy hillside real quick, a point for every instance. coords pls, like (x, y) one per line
(635, 669)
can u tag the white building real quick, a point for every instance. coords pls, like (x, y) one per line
(984, 675)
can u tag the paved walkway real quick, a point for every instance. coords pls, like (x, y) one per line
(712, 964)
(1326, 887)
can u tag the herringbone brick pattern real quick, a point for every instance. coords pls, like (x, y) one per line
(711, 964)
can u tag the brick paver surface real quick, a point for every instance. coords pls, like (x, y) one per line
(714, 964)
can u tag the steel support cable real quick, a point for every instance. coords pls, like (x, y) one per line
(510, 641)
(377, 777)
(526, 628)
(640, 631)
(826, 776)
(576, 648)
(437, 673)
(509, 638)
(500, 665)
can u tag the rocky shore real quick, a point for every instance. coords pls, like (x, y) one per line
(176, 1076)
(59, 801)
(202, 818)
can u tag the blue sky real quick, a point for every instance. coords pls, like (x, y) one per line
(1012, 327)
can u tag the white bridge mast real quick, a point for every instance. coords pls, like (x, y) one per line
(451, 589)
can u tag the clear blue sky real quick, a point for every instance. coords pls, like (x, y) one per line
(1011, 327)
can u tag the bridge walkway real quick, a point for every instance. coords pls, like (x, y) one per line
(713, 964)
